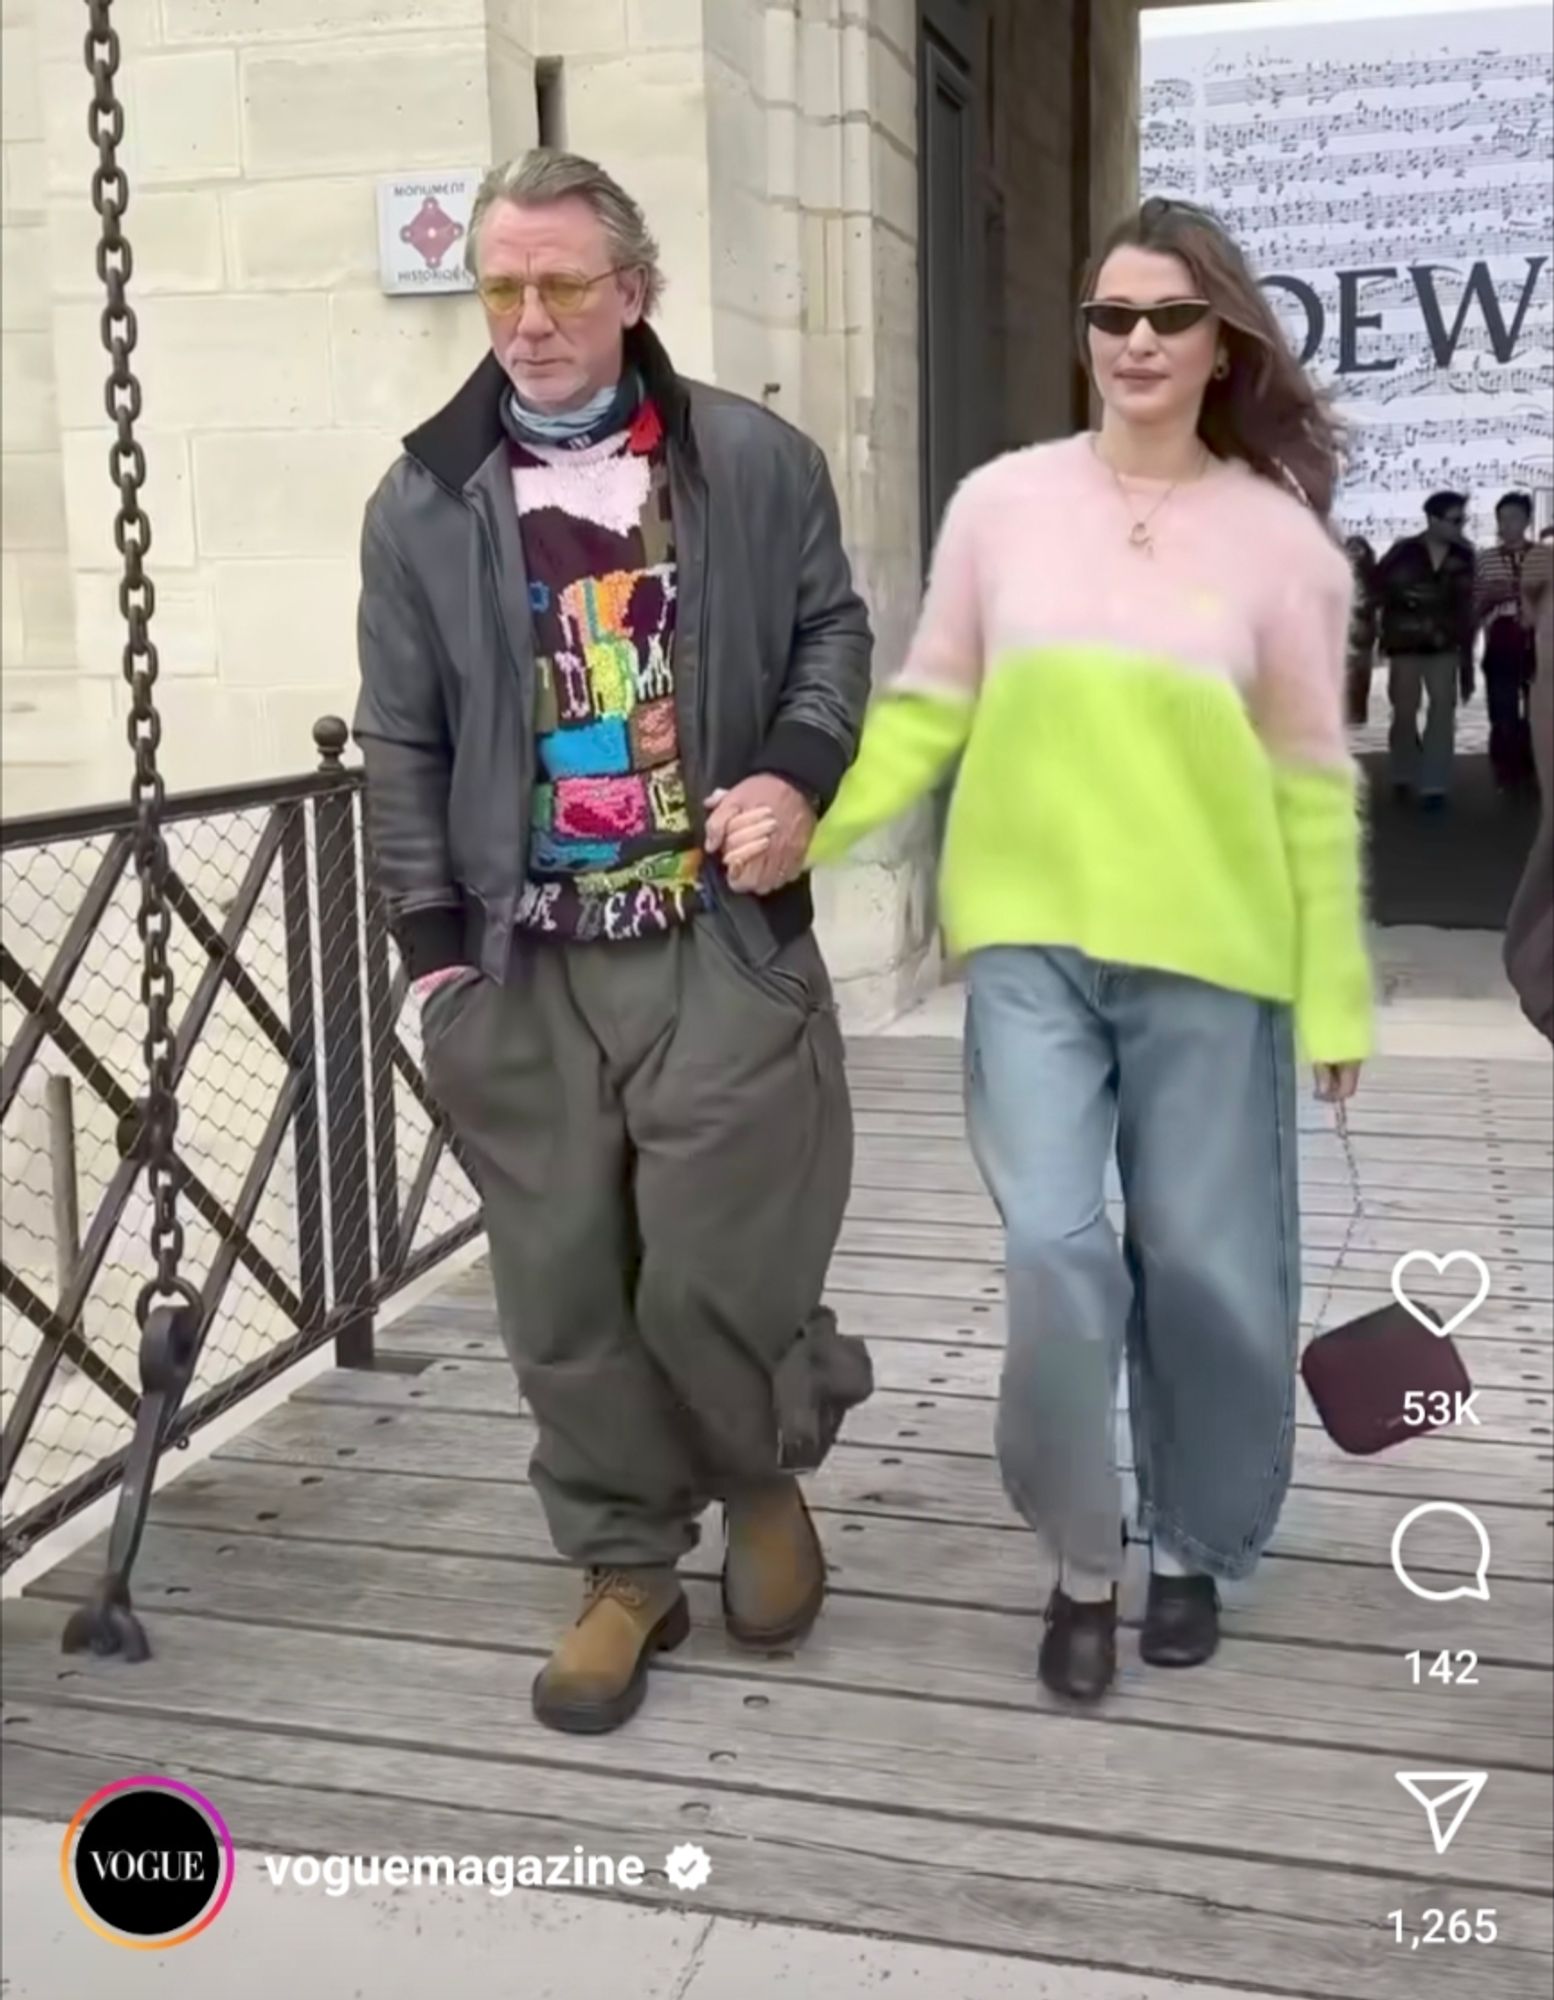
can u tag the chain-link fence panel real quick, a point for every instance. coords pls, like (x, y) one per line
(313, 1176)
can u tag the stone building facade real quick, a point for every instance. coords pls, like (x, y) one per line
(776, 147)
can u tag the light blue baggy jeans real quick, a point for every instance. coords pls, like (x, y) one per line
(1194, 1087)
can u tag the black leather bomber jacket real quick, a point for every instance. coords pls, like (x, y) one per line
(772, 654)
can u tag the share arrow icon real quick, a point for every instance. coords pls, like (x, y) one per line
(1446, 1789)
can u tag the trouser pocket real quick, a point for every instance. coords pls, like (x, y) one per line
(442, 1002)
(795, 979)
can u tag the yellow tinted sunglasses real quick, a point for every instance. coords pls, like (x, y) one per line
(563, 294)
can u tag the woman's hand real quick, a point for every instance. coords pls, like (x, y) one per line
(761, 829)
(742, 839)
(1336, 1082)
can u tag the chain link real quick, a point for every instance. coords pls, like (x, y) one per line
(137, 602)
(1357, 1211)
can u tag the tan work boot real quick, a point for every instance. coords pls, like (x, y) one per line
(597, 1676)
(774, 1572)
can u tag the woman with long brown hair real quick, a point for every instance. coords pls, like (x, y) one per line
(1135, 642)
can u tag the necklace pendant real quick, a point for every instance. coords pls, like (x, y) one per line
(1140, 538)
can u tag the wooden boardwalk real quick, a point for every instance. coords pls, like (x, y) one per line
(350, 1599)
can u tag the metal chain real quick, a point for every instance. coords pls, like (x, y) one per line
(1357, 1212)
(137, 601)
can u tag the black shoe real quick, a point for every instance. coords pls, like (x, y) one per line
(1433, 802)
(1079, 1647)
(1181, 1621)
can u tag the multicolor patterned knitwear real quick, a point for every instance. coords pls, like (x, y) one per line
(612, 854)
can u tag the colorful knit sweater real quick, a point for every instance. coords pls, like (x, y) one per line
(612, 853)
(1154, 768)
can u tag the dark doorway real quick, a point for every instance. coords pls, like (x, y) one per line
(955, 225)
(952, 250)
(1457, 872)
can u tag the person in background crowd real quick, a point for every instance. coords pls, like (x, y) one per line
(1152, 870)
(1529, 931)
(607, 632)
(1424, 586)
(1508, 642)
(1361, 660)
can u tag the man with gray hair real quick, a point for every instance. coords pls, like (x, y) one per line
(613, 668)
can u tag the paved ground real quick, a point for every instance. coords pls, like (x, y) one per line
(349, 1599)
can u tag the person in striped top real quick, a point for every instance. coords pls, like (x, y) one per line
(1508, 649)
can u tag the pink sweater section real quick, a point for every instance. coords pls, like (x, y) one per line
(1244, 584)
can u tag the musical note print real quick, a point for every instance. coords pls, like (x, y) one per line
(1413, 152)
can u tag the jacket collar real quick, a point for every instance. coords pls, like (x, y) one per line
(455, 443)
(1455, 552)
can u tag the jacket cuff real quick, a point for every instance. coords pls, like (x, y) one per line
(430, 940)
(808, 758)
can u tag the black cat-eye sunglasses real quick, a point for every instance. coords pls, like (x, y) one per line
(1171, 316)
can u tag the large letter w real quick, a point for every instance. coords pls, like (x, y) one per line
(1480, 286)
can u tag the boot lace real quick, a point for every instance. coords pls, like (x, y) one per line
(605, 1583)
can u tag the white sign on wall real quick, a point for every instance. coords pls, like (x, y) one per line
(423, 224)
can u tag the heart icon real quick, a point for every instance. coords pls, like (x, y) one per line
(1440, 1265)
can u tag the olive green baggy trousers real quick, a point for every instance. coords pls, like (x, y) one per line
(662, 1139)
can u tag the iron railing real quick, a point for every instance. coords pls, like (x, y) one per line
(314, 1176)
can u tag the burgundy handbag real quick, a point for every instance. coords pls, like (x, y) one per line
(1386, 1377)
(1382, 1379)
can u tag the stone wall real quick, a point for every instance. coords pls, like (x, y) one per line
(277, 377)
(852, 124)
(774, 146)
(50, 718)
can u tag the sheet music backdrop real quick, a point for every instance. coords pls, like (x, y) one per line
(1391, 180)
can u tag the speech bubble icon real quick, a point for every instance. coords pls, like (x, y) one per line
(1474, 1263)
(1478, 1588)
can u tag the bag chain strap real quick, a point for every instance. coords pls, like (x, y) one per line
(1357, 1210)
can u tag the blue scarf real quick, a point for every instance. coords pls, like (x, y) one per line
(611, 410)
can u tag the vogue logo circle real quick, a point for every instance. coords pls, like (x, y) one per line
(147, 1862)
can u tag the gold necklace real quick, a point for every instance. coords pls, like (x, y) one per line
(1139, 536)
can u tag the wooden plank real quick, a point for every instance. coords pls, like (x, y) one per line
(1439, 1126)
(876, 1557)
(1287, 1802)
(1469, 1465)
(466, 1326)
(965, 1279)
(1522, 1161)
(1348, 1527)
(1403, 1083)
(1327, 1226)
(905, 1406)
(1338, 1698)
(1532, 1073)
(1421, 1120)
(1511, 1280)
(1371, 1112)
(1507, 1140)
(1315, 1934)
(1385, 1184)
(1435, 1213)
(919, 1363)
(907, 1305)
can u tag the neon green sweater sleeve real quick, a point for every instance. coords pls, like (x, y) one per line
(1317, 812)
(909, 741)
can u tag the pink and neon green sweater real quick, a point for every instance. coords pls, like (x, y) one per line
(1153, 762)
